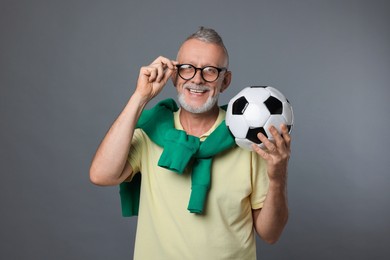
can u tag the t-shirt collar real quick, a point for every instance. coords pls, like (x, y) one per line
(220, 118)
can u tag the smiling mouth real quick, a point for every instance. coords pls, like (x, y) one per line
(197, 91)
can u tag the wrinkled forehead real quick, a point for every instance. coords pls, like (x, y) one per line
(200, 53)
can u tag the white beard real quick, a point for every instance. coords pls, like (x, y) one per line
(210, 102)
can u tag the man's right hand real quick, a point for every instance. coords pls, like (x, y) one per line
(152, 78)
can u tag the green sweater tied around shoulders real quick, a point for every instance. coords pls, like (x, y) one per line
(178, 150)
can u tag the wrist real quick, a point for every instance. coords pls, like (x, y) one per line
(139, 99)
(279, 183)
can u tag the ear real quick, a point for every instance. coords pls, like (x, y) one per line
(226, 80)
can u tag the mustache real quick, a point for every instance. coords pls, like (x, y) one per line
(196, 87)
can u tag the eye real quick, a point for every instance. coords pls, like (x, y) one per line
(210, 70)
(186, 67)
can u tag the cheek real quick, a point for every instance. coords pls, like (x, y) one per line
(179, 85)
(217, 89)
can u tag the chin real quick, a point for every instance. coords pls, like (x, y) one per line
(207, 106)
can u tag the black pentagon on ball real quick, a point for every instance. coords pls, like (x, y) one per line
(239, 106)
(252, 134)
(274, 105)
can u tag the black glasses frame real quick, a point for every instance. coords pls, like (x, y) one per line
(201, 71)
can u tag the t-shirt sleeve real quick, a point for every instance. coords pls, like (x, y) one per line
(260, 181)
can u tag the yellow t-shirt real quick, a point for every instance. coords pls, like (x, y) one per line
(167, 230)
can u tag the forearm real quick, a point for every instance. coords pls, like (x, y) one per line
(108, 164)
(270, 221)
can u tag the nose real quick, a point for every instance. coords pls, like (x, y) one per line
(198, 79)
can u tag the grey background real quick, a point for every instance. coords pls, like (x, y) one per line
(68, 67)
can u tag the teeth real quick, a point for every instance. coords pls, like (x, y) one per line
(196, 91)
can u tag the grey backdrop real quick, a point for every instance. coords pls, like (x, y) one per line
(68, 67)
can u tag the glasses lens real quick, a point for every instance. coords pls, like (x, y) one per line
(187, 71)
(210, 73)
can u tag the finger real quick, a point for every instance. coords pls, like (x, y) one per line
(152, 74)
(163, 69)
(145, 73)
(267, 143)
(165, 62)
(168, 73)
(260, 152)
(286, 135)
(160, 59)
(277, 137)
(160, 72)
(171, 64)
(282, 138)
(174, 63)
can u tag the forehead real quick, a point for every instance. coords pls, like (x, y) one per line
(201, 53)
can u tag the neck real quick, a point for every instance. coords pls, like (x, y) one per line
(198, 124)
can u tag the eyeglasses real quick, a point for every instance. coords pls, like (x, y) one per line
(208, 73)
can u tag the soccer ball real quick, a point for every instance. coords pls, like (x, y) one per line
(254, 109)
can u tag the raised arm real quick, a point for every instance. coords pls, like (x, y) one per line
(109, 165)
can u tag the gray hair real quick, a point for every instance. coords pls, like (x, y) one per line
(210, 36)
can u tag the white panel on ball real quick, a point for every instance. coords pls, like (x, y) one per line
(275, 120)
(288, 113)
(276, 93)
(256, 114)
(255, 95)
(240, 126)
